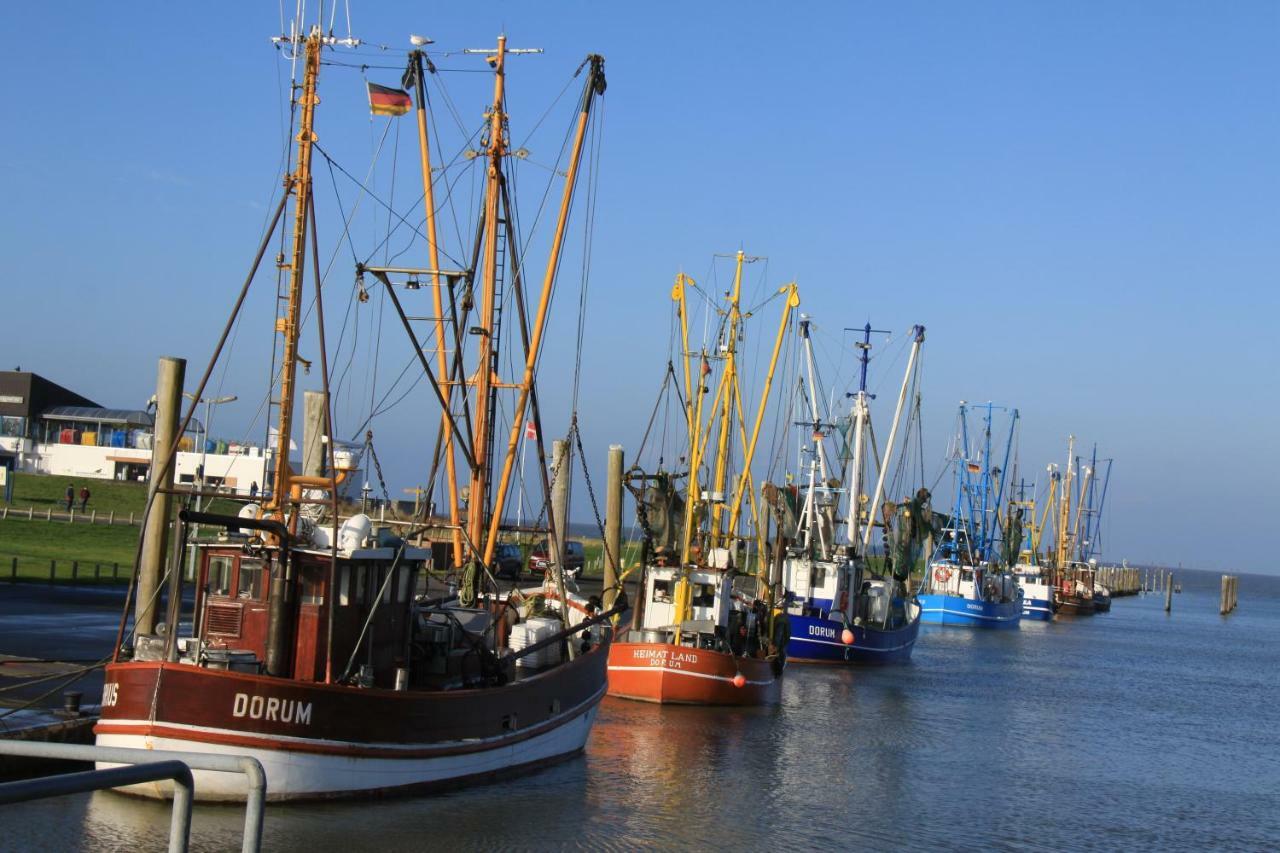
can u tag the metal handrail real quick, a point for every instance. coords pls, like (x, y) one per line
(59, 785)
(255, 801)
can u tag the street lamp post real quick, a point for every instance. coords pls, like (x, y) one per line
(198, 481)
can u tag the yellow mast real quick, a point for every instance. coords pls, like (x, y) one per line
(594, 86)
(682, 308)
(1064, 508)
(744, 480)
(437, 304)
(483, 378)
(729, 379)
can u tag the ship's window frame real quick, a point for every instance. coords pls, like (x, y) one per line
(661, 591)
(314, 580)
(386, 588)
(344, 586)
(402, 584)
(360, 593)
(253, 568)
(221, 567)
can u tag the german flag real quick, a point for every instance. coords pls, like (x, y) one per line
(385, 101)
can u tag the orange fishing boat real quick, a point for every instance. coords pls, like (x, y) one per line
(703, 632)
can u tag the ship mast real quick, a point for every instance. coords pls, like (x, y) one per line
(486, 540)
(299, 185)
(1064, 507)
(417, 59)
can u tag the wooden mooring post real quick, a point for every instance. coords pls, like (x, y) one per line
(1168, 592)
(1229, 595)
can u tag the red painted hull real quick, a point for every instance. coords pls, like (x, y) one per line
(680, 675)
(325, 740)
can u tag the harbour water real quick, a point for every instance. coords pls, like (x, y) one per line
(1131, 730)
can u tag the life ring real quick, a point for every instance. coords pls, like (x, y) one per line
(942, 574)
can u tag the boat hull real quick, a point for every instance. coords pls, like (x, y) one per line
(318, 741)
(821, 641)
(939, 609)
(1039, 609)
(669, 674)
(1075, 605)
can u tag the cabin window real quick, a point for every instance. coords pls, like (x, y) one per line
(818, 576)
(313, 585)
(662, 591)
(361, 592)
(220, 575)
(344, 587)
(402, 591)
(251, 578)
(704, 595)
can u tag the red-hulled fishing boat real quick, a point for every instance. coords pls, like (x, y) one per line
(309, 648)
(702, 632)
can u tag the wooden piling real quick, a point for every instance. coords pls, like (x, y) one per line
(613, 525)
(155, 534)
(561, 475)
(75, 571)
(1224, 596)
(1168, 593)
(53, 568)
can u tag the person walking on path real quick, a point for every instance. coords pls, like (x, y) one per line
(71, 496)
(84, 498)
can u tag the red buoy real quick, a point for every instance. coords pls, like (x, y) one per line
(739, 680)
(847, 637)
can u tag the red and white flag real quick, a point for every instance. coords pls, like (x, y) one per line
(530, 431)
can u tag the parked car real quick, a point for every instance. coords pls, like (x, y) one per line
(574, 558)
(507, 560)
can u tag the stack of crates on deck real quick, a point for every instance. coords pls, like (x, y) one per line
(534, 630)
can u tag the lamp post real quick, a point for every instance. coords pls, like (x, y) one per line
(198, 481)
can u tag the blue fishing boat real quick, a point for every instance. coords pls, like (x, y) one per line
(840, 611)
(965, 582)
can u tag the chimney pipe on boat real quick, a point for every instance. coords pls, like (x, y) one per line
(164, 445)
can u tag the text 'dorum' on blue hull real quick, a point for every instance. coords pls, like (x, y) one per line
(954, 610)
(815, 640)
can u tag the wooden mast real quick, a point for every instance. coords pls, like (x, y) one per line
(437, 304)
(595, 85)
(299, 184)
(483, 379)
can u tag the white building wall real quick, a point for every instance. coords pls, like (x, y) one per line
(236, 472)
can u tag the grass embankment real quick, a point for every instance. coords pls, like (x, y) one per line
(34, 543)
(49, 491)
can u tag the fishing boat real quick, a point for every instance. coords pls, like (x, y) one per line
(1074, 578)
(1029, 568)
(841, 610)
(703, 631)
(310, 649)
(965, 582)
(1092, 503)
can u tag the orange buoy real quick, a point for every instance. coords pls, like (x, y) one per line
(739, 680)
(847, 637)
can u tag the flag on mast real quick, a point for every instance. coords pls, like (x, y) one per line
(530, 431)
(385, 101)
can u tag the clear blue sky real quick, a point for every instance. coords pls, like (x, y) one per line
(1080, 200)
